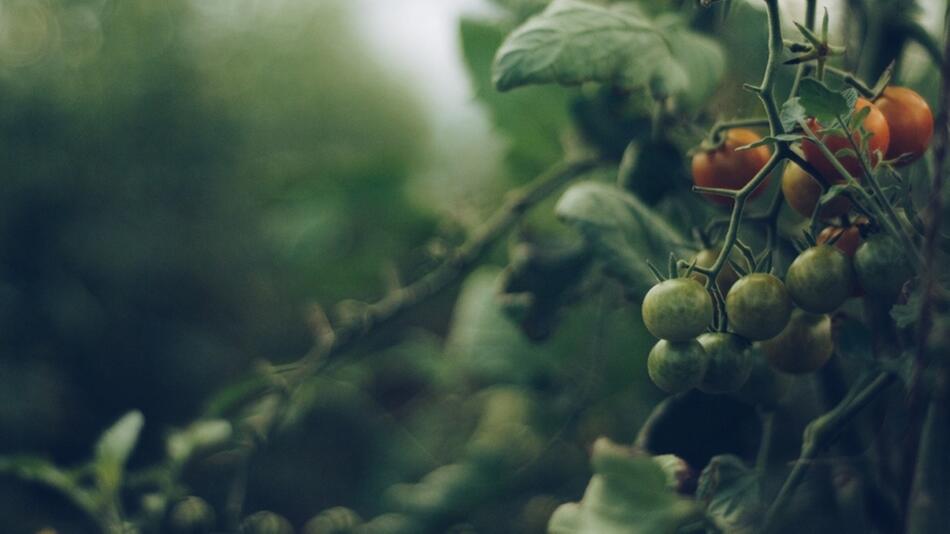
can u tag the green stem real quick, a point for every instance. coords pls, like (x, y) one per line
(811, 9)
(853, 81)
(715, 133)
(821, 433)
(896, 226)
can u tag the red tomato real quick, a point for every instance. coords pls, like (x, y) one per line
(910, 121)
(874, 123)
(726, 168)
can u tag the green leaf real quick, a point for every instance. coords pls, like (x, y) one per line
(792, 113)
(114, 447)
(732, 494)
(623, 232)
(41, 471)
(821, 102)
(574, 41)
(907, 314)
(628, 494)
(531, 120)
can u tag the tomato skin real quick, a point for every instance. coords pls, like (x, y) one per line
(804, 346)
(725, 168)
(677, 366)
(910, 120)
(820, 279)
(729, 362)
(727, 276)
(802, 193)
(678, 309)
(874, 123)
(881, 266)
(850, 238)
(758, 306)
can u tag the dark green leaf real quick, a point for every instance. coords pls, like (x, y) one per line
(623, 232)
(732, 494)
(907, 314)
(851, 97)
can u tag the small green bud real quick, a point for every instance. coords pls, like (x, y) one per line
(192, 515)
(265, 523)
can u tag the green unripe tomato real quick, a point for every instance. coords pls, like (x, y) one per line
(820, 279)
(758, 306)
(265, 523)
(804, 346)
(729, 362)
(677, 366)
(881, 266)
(677, 309)
(192, 515)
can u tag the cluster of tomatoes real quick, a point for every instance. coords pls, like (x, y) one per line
(785, 322)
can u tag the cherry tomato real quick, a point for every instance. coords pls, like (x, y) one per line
(758, 306)
(820, 279)
(802, 193)
(727, 276)
(805, 345)
(881, 266)
(910, 121)
(677, 309)
(874, 123)
(726, 168)
(850, 237)
(729, 362)
(677, 366)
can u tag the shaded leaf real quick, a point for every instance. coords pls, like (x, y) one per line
(574, 41)
(732, 494)
(623, 232)
(792, 113)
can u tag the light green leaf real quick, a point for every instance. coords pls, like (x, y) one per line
(114, 447)
(624, 233)
(628, 494)
(821, 102)
(733, 495)
(574, 41)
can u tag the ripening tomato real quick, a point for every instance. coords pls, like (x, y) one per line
(874, 123)
(802, 193)
(729, 362)
(727, 168)
(882, 267)
(803, 346)
(910, 121)
(850, 236)
(727, 276)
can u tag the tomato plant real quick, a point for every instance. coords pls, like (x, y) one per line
(795, 391)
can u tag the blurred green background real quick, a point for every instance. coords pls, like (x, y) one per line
(180, 181)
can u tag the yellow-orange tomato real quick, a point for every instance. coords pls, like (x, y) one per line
(875, 123)
(910, 121)
(802, 193)
(727, 168)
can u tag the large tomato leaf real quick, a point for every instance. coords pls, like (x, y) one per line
(574, 41)
(623, 232)
(628, 494)
(733, 495)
